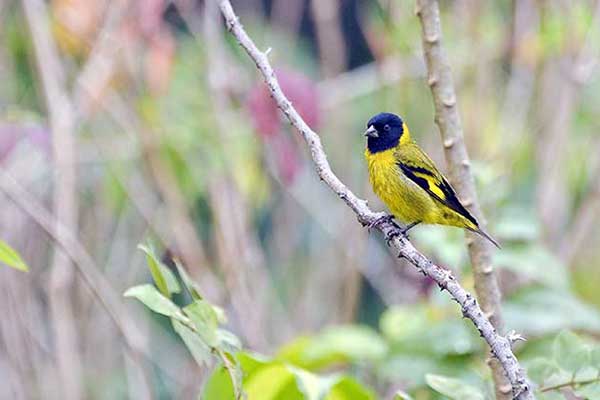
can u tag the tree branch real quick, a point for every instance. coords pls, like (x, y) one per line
(499, 345)
(448, 120)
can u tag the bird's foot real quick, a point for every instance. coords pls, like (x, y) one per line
(384, 218)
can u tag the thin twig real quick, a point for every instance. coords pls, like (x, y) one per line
(571, 383)
(500, 345)
(448, 120)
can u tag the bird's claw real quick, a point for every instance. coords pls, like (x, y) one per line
(384, 218)
(399, 231)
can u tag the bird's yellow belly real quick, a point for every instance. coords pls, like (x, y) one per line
(406, 200)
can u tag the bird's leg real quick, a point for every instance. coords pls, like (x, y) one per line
(400, 231)
(409, 227)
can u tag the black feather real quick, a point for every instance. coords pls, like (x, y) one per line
(450, 201)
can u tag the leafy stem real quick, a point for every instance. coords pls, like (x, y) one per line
(570, 383)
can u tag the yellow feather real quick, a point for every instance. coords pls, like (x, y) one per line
(408, 181)
(407, 201)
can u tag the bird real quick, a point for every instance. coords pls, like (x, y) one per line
(408, 182)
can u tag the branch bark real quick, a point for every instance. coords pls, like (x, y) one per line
(500, 346)
(448, 120)
(62, 123)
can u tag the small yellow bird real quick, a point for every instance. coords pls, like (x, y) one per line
(408, 181)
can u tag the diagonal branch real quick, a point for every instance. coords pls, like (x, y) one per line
(500, 346)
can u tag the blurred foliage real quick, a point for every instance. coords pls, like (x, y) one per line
(336, 317)
(11, 258)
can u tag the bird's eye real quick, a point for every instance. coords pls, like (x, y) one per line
(386, 127)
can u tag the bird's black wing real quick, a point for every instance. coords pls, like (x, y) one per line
(430, 180)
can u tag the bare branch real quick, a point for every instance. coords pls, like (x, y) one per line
(500, 345)
(447, 117)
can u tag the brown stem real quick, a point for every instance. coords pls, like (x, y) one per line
(330, 38)
(448, 120)
(571, 383)
(500, 345)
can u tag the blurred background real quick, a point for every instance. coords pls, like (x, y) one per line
(132, 120)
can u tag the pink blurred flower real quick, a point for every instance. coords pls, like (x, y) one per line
(266, 118)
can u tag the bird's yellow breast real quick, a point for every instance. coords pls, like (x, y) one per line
(407, 201)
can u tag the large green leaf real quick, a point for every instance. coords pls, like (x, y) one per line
(428, 329)
(163, 277)
(219, 386)
(154, 300)
(11, 258)
(534, 262)
(570, 353)
(453, 388)
(541, 369)
(568, 312)
(227, 341)
(336, 344)
(551, 395)
(273, 382)
(266, 379)
(348, 388)
(595, 357)
(590, 391)
(312, 386)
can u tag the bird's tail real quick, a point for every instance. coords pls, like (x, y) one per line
(485, 235)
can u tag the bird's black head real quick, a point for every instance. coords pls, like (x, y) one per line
(384, 132)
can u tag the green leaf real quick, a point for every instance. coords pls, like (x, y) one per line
(534, 262)
(273, 382)
(162, 275)
(453, 388)
(570, 353)
(312, 386)
(234, 370)
(11, 258)
(595, 357)
(541, 369)
(590, 391)
(228, 341)
(204, 318)
(190, 285)
(334, 345)
(428, 329)
(348, 388)
(154, 300)
(551, 395)
(568, 312)
(400, 395)
(219, 385)
(200, 351)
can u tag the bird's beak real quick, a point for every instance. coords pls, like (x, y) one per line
(372, 132)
